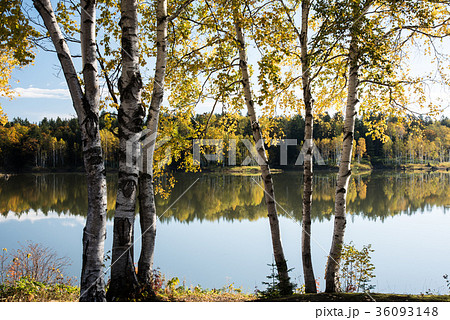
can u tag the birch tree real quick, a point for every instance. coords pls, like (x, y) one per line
(146, 189)
(310, 280)
(305, 57)
(280, 261)
(344, 166)
(304, 61)
(376, 80)
(124, 282)
(86, 104)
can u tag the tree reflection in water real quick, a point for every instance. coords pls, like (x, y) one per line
(215, 197)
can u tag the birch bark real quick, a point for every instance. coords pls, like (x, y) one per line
(124, 282)
(332, 269)
(86, 105)
(146, 191)
(308, 271)
(280, 261)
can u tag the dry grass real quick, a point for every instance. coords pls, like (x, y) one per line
(208, 296)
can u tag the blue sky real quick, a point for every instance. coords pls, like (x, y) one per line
(43, 91)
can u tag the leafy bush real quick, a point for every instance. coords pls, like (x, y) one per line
(356, 270)
(25, 289)
(35, 273)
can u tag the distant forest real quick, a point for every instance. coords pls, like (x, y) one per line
(57, 143)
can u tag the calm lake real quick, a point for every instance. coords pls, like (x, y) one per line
(217, 233)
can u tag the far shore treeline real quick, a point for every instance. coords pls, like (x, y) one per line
(55, 144)
(408, 193)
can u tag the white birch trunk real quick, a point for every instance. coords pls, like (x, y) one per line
(146, 191)
(124, 283)
(269, 194)
(332, 270)
(308, 271)
(87, 108)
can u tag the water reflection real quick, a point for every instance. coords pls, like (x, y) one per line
(192, 245)
(215, 197)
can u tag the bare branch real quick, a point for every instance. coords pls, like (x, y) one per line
(105, 74)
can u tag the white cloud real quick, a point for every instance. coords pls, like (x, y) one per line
(36, 216)
(67, 219)
(37, 93)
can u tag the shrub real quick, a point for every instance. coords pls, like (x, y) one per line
(34, 262)
(273, 287)
(35, 273)
(356, 270)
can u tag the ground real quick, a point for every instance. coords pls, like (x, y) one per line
(361, 297)
(31, 291)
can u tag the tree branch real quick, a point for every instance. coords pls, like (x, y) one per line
(179, 10)
(108, 80)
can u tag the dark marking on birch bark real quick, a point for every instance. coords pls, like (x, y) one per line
(89, 67)
(145, 175)
(132, 88)
(88, 4)
(122, 117)
(94, 155)
(127, 44)
(348, 135)
(341, 190)
(85, 246)
(128, 187)
(161, 20)
(61, 56)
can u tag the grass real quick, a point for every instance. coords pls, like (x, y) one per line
(25, 290)
(204, 295)
(442, 166)
(32, 291)
(168, 291)
(360, 297)
(244, 170)
(361, 167)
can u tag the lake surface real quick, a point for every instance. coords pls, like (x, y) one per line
(218, 233)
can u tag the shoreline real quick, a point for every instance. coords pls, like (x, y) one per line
(357, 168)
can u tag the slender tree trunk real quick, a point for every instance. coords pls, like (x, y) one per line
(331, 273)
(87, 108)
(148, 218)
(310, 280)
(124, 283)
(280, 261)
(146, 191)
